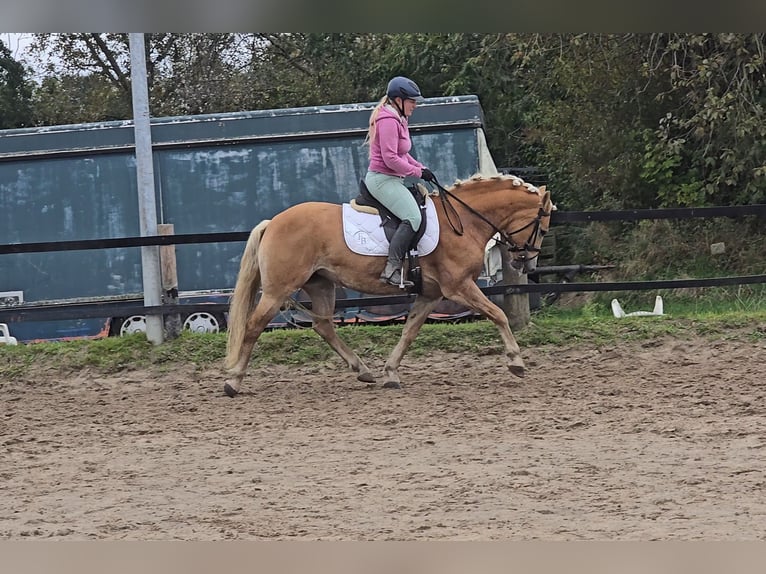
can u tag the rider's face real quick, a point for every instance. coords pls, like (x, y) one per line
(408, 106)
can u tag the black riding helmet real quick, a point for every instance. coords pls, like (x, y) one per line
(401, 87)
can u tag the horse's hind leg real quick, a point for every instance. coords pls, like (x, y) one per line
(322, 294)
(265, 311)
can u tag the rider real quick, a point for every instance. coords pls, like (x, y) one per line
(390, 163)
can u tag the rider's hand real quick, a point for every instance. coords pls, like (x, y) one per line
(427, 175)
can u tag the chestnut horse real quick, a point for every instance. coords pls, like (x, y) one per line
(303, 247)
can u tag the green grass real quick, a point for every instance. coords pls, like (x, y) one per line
(648, 250)
(590, 324)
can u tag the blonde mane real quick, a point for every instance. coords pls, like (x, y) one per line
(515, 180)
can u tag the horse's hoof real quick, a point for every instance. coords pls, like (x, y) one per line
(230, 391)
(518, 371)
(392, 385)
(366, 377)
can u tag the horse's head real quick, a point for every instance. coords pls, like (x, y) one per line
(518, 213)
(529, 227)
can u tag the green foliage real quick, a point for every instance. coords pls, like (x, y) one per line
(200, 74)
(79, 99)
(661, 168)
(668, 249)
(15, 92)
(615, 120)
(714, 125)
(593, 111)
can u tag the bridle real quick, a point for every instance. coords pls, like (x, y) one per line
(505, 237)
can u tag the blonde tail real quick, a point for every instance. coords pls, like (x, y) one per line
(243, 301)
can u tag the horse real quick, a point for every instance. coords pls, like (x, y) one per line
(303, 247)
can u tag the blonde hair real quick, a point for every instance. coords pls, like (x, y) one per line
(373, 117)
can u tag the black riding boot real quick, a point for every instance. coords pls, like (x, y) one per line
(400, 243)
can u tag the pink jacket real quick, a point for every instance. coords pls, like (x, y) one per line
(390, 150)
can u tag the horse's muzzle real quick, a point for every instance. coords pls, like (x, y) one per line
(524, 265)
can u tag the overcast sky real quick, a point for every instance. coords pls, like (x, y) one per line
(16, 43)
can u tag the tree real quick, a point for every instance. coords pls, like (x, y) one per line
(199, 73)
(72, 99)
(290, 70)
(186, 73)
(15, 92)
(616, 120)
(710, 144)
(592, 114)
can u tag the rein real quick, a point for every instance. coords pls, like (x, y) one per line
(505, 238)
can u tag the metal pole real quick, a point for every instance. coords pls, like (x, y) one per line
(147, 204)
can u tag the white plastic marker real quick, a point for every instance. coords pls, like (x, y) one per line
(619, 313)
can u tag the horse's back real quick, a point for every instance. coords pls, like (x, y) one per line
(301, 240)
(315, 212)
(306, 224)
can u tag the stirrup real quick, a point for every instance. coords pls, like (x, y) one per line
(396, 279)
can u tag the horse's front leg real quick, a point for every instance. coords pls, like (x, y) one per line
(469, 295)
(421, 308)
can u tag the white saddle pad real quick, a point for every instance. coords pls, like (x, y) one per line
(365, 236)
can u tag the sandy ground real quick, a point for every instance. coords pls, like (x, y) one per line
(662, 440)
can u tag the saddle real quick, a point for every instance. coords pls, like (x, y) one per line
(366, 203)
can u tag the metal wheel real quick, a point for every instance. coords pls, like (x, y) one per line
(133, 324)
(203, 322)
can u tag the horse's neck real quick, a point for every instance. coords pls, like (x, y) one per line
(497, 205)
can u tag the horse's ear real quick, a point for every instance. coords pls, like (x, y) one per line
(546, 200)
